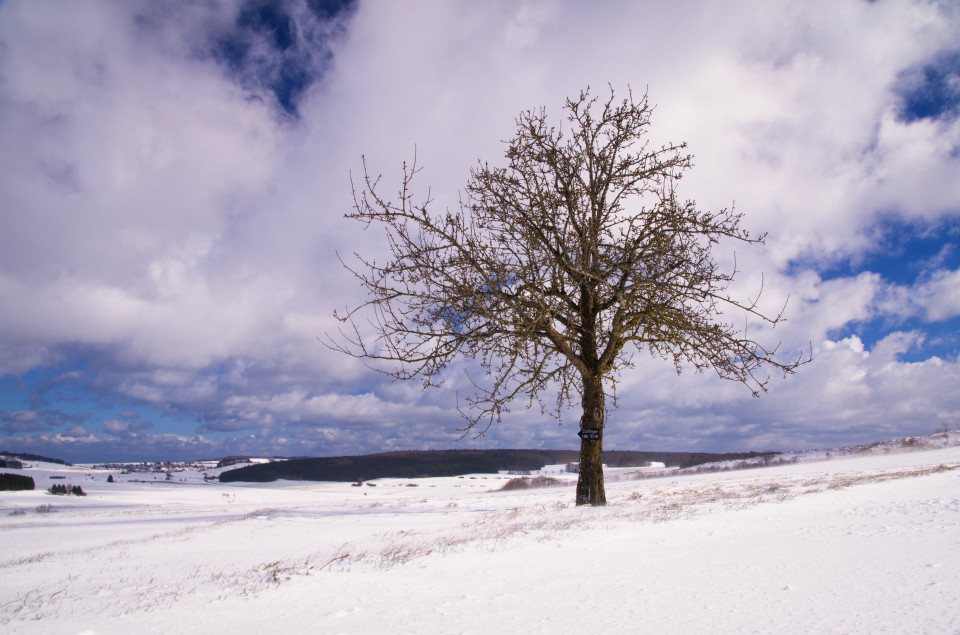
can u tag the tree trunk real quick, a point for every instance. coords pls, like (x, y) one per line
(590, 489)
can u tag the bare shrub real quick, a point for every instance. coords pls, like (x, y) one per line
(530, 483)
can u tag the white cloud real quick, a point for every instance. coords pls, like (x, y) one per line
(78, 432)
(119, 427)
(940, 296)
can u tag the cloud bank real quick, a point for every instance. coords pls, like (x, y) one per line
(174, 175)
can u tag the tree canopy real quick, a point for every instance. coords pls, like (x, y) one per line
(553, 271)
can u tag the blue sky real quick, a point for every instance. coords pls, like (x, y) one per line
(174, 175)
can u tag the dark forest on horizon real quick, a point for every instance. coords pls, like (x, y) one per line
(430, 463)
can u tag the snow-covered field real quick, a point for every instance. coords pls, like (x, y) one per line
(861, 543)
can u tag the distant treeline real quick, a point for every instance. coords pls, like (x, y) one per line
(227, 461)
(33, 457)
(15, 482)
(415, 464)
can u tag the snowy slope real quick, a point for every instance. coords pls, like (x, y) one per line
(858, 543)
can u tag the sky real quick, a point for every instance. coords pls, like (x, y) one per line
(174, 178)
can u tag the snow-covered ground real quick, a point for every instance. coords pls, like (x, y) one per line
(860, 543)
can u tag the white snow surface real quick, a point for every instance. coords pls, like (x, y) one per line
(860, 543)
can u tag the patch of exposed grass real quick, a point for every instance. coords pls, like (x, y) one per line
(531, 483)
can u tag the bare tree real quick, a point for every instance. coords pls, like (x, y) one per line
(552, 272)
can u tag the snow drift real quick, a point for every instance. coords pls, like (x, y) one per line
(863, 542)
